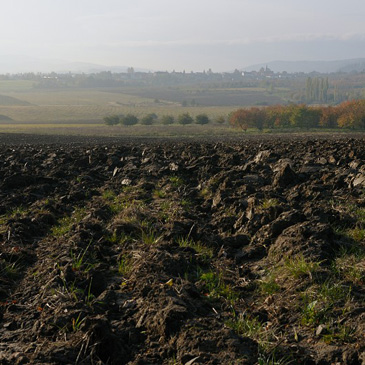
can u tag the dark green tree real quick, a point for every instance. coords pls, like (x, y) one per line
(149, 119)
(202, 119)
(305, 117)
(129, 119)
(184, 119)
(111, 120)
(167, 119)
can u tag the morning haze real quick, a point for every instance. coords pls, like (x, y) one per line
(44, 35)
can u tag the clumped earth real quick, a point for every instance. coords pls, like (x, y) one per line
(246, 251)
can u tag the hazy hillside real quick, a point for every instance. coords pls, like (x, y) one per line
(9, 100)
(22, 64)
(312, 66)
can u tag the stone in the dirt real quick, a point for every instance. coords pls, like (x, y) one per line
(126, 182)
(262, 156)
(320, 329)
(359, 180)
(285, 176)
(173, 166)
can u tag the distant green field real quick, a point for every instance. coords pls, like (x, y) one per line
(232, 97)
(24, 104)
(91, 105)
(15, 85)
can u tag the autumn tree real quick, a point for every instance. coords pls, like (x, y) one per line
(282, 115)
(328, 117)
(352, 114)
(257, 118)
(240, 119)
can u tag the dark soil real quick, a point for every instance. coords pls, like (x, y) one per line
(182, 252)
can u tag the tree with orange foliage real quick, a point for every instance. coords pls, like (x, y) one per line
(240, 118)
(257, 118)
(329, 117)
(352, 114)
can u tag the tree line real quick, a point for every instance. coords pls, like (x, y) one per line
(349, 114)
(152, 118)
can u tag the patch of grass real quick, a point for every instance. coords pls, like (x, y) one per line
(63, 227)
(359, 213)
(120, 203)
(206, 253)
(248, 326)
(269, 203)
(125, 265)
(216, 288)
(333, 292)
(71, 289)
(168, 210)
(78, 261)
(357, 234)
(339, 333)
(118, 239)
(322, 302)
(351, 265)
(186, 204)
(77, 322)
(125, 200)
(9, 270)
(18, 211)
(269, 285)
(159, 194)
(176, 181)
(65, 224)
(205, 192)
(299, 267)
(89, 296)
(108, 195)
(149, 236)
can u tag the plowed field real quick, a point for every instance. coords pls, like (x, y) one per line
(246, 251)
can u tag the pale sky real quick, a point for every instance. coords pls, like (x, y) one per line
(183, 35)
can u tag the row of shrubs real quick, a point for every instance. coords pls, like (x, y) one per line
(152, 118)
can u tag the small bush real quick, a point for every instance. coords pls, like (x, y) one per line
(129, 119)
(202, 119)
(167, 119)
(112, 120)
(184, 119)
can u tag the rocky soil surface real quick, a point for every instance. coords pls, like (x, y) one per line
(246, 251)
